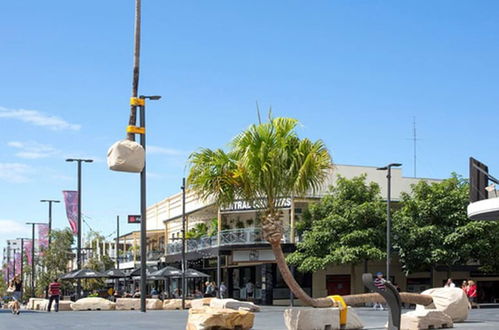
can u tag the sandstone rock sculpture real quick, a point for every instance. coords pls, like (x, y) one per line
(208, 318)
(306, 318)
(93, 304)
(451, 301)
(425, 319)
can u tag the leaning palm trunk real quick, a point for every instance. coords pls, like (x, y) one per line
(272, 230)
(136, 67)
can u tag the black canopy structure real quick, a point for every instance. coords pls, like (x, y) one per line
(166, 272)
(67, 276)
(115, 273)
(83, 273)
(191, 273)
(136, 272)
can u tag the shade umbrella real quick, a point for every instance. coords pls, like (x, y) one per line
(167, 271)
(83, 274)
(67, 276)
(115, 273)
(191, 273)
(136, 272)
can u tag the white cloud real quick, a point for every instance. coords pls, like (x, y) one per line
(37, 118)
(164, 151)
(15, 172)
(33, 150)
(12, 227)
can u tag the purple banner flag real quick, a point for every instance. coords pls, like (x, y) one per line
(43, 236)
(71, 200)
(11, 269)
(17, 262)
(28, 246)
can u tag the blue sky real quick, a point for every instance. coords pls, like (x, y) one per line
(355, 73)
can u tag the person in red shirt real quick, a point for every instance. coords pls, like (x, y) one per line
(55, 294)
(472, 292)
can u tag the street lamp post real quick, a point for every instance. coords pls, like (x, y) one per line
(22, 261)
(50, 201)
(388, 168)
(183, 245)
(78, 251)
(33, 224)
(143, 203)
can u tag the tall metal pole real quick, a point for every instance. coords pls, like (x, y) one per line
(14, 263)
(184, 289)
(388, 224)
(50, 201)
(117, 242)
(143, 215)
(388, 168)
(22, 264)
(32, 260)
(8, 262)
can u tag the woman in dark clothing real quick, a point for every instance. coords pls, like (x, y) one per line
(17, 284)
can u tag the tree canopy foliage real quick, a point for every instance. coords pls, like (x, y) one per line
(432, 228)
(345, 226)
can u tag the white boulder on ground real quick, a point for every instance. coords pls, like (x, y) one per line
(208, 318)
(306, 318)
(234, 304)
(451, 301)
(425, 319)
(93, 304)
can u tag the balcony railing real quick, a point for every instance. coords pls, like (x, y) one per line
(244, 236)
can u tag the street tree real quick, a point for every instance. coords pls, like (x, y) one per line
(347, 226)
(54, 260)
(265, 163)
(432, 228)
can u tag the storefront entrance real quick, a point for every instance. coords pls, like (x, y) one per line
(338, 284)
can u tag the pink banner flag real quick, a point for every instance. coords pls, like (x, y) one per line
(28, 246)
(17, 263)
(43, 236)
(71, 200)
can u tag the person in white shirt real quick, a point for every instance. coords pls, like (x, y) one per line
(449, 284)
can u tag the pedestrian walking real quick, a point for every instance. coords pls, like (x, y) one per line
(472, 292)
(55, 295)
(449, 284)
(379, 282)
(250, 290)
(16, 288)
(464, 287)
(223, 290)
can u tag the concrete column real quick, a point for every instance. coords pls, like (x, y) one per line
(292, 220)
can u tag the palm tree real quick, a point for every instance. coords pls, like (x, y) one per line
(265, 163)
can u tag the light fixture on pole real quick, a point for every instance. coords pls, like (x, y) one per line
(50, 201)
(143, 203)
(388, 215)
(33, 224)
(78, 251)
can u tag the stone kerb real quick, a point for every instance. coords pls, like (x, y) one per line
(93, 304)
(425, 319)
(306, 318)
(207, 318)
(451, 301)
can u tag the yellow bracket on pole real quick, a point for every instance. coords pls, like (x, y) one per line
(135, 130)
(343, 309)
(137, 101)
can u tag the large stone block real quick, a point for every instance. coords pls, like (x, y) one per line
(451, 301)
(425, 319)
(154, 304)
(234, 304)
(306, 318)
(93, 304)
(36, 304)
(172, 304)
(64, 305)
(128, 303)
(208, 318)
(198, 303)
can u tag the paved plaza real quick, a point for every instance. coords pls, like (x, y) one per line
(270, 318)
